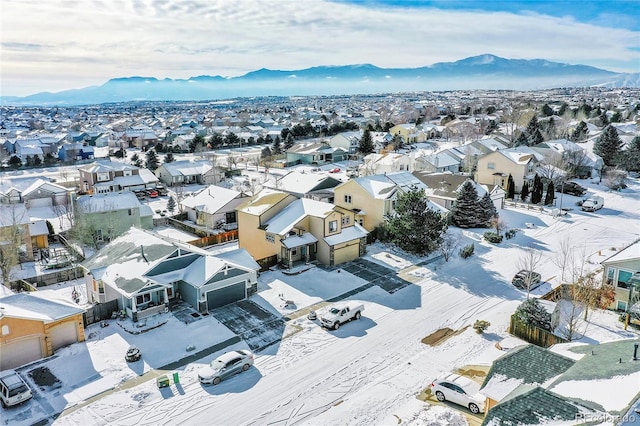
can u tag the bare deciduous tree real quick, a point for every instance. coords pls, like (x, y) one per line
(449, 245)
(529, 261)
(13, 234)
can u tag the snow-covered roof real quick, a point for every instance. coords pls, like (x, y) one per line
(111, 201)
(14, 214)
(303, 183)
(187, 168)
(30, 306)
(379, 186)
(38, 227)
(631, 252)
(521, 155)
(347, 234)
(286, 219)
(210, 199)
(239, 257)
(107, 166)
(263, 201)
(46, 186)
(299, 240)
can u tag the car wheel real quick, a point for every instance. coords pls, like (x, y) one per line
(216, 380)
(440, 396)
(336, 326)
(474, 408)
(245, 367)
(358, 315)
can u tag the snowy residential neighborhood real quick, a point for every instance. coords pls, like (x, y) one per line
(423, 274)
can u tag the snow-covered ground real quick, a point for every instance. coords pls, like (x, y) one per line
(368, 372)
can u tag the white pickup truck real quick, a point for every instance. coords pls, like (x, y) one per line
(337, 315)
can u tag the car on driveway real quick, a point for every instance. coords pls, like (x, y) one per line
(459, 390)
(571, 188)
(336, 170)
(13, 390)
(523, 277)
(225, 366)
(152, 193)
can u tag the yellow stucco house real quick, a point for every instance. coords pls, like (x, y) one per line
(495, 167)
(33, 327)
(275, 227)
(622, 270)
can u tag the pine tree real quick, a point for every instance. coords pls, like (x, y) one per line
(608, 145)
(277, 146)
(629, 159)
(37, 161)
(522, 139)
(536, 138)
(531, 312)
(466, 212)
(415, 227)
(580, 132)
(171, 204)
(536, 192)
(525, 192)
(511, 187)
(547, 111)
(135, 160)
(289, 142)
(548, 199)
(366, 147)
(152, 160)
(168, 158)
(533, 126)
(487, 209)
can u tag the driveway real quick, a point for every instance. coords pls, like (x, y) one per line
(385, 278)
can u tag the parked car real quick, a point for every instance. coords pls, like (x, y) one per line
(13, 390)
(161, 190)
(459, 390)
(225, 366)
(571, 188)
(133, 354)
(141, 194)
(592, 204)
(523, 277)
(336, 170)
(339, 314)
(152, 193)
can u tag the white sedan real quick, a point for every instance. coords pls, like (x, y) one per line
(459, 390)
(226, 365)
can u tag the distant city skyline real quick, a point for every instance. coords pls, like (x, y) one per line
(63, 44)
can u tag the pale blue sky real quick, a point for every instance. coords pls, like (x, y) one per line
(52, 45)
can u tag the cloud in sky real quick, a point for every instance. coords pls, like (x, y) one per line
(59, 44)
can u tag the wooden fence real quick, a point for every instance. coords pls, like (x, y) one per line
(58, 276)
(533, 334)
(220, 238)
(99, 312)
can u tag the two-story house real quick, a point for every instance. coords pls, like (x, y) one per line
(214, 207)
(110, 215)
(278, 227)
(495, 167)
(622, 270)
(102, 177)
(186, 172)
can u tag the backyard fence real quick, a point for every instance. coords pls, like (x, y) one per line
(99, 312)
(58, 276)
(533, 334)
(222, 237)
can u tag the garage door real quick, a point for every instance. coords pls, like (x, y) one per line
(63, 335)
(226, 295)
(39, 202)
(18, 353)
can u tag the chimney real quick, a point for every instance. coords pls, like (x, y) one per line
(143, 256)
(635, 351)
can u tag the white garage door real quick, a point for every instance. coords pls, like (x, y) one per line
(18, 353)
(63, 335)
(39, 202)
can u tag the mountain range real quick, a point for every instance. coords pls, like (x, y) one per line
(477, 72)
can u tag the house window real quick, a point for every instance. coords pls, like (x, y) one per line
(270, 238)
(361, 222)
(102, 177)
(346, 220)
(230, 217)
(621, 305)
(143, 298)
(491, 166)
(610, 274)
(130, 212)
(100, 287)
(294, 251)
(333, 226)
(347, 199)
(530, 168)
(5, 330)
(623, 279)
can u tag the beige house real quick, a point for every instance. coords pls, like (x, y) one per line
(495, 167)
(408, 132)
(278, 227)
(622, 270)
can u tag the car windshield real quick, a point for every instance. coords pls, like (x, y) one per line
(334, 311)
(217, 364)
(17, 390)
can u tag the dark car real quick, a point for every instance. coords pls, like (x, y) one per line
(571, 188)
(161, 190)
(523, 277)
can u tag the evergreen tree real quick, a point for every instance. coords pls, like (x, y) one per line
(487, 209)
(28, 161)
(547, 111)
(536, 138)
(366, 147)
(580, 132)
(466, 212)
(135, 160)
(397, 142)
(49, 159)
(629, 159)
(608, 145)
(525, 192)
(604, 120)
(522, 139)
(168, 157)
(216, 141)
(548, 199)
(289, 142)
(266, 152)
(171, 204)
(196, 144)
(415, 227)
(15, 162)
(511, 187)
(152, 160)
(531, 312)
(533, 125)
(536, 192)
(277, 147)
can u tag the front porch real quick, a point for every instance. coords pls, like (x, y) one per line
(147, 302)
(298, 249)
